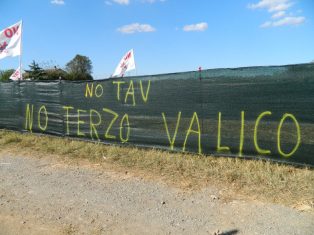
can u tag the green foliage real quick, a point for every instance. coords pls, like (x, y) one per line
(78, 76)
(79, 68)
(35, 72)
(55, 74)
(5, 74)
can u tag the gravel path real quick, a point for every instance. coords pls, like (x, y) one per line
(45, 196)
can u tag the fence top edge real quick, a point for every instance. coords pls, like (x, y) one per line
(155, 76)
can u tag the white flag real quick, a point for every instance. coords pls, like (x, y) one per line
(16, 75)
(127, 63)
(10, 40)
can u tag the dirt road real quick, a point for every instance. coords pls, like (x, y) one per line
(44, 195)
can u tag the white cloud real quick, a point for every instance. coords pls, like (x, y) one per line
(289, 20)
(136, 28)
(278, 9)
(267, 24)
(57, 2)
(195, 27)
(278, 14)
(122, 2)
(272, 5)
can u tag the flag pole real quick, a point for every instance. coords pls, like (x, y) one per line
(20, 63)
(135, 64)
(20, 57)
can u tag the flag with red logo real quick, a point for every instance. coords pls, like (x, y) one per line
(10, 40)
(126, 64)
(16, 75)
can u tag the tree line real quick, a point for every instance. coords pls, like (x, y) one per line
(79, 68)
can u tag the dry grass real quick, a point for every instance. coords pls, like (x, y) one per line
(262, 180)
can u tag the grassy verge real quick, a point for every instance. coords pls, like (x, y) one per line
(262, 180)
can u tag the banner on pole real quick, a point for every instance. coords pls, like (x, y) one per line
(16, 75)
(10, 40)
(126, 64)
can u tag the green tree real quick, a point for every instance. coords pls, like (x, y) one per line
(56, 74)
(36, 72)
(5, 74)
(79, 68)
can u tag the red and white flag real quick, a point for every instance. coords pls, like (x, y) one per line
(16, 75)
(127, 63)
(10, 40)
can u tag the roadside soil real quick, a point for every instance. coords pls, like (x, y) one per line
(49, 195)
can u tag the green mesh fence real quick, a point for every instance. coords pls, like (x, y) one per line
(254, 112)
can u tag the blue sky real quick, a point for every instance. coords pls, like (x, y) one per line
(166, 35)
